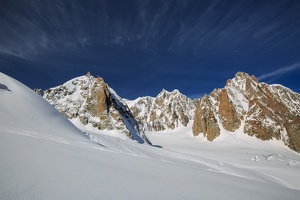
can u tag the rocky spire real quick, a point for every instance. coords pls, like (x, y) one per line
(88, 74)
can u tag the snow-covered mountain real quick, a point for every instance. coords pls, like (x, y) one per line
(167, 110)
(44, 156)
(257, 109)
(91, 102)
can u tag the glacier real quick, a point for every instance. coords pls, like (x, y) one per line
(44, 156)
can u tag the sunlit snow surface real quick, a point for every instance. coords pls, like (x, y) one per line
(43, 156)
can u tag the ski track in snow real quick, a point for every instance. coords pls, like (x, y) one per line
(161, 154)
(148, 152)
(132, 148)
(278, 180)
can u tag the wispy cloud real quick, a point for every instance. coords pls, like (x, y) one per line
(280, 71)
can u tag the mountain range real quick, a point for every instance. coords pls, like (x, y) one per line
(264, 111)
(96, 152)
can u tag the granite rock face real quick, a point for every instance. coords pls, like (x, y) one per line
(205, 120)
(90, 101)
(243, 105)
(227, 112)
(260, 110)
(167, 110)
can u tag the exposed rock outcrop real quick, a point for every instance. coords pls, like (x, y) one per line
(260, 110)
(205, 120)
(228, 114)
(243, 105)
(167, 110)
(92, 102)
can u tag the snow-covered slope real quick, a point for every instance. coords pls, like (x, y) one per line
(23, 112)
(43, 156)
(238, 155)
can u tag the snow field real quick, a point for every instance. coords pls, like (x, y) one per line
(44, 156)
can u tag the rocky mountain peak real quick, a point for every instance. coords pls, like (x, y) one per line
(90, 101)
(260, 110)
(88, 74)
(100, 81)
(243, 105)
(175, 91)
(167, 110)
(242, 75)
(164, 93)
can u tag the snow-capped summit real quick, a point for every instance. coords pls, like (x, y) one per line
(90, 101)
(167, 110)
(243, 105)
(44, 156)
(257, 109)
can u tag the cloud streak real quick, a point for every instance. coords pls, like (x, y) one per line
(161, 41)
(280, 71)
(154, 26)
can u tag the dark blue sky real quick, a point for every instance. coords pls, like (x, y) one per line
(140, 46)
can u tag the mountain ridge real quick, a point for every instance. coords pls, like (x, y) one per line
(257, 106)
(260, 110)
(94, 103)
(44, 156)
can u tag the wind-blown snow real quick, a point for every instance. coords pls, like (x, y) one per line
(43, 156)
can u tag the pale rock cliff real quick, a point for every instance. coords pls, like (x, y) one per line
(90, 100)
(167, 110)
(261, 110)
(244, 104)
